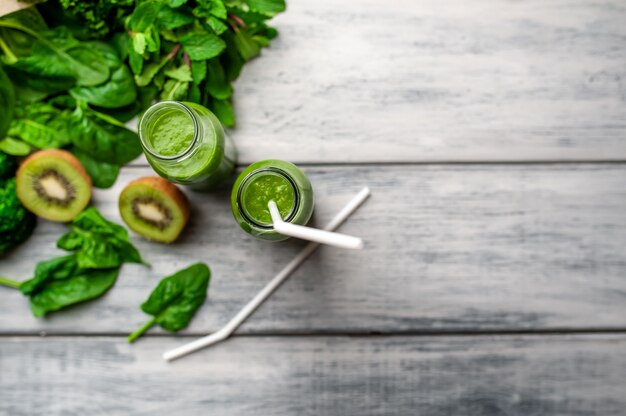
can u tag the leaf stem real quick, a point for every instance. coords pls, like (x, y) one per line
(11, 58)
(173, 52)
(10, 283)
(237, 20)
(139, 332)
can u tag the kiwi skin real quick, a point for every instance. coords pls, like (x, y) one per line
(22, 176)
(167, 190)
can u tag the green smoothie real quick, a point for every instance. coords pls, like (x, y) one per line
(271, 180)
(186, 144)
(172, 133)
(265, 187)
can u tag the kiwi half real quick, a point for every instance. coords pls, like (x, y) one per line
(154, 208)
(53, 185)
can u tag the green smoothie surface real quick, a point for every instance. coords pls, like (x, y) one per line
(262, 188)
(172, 133)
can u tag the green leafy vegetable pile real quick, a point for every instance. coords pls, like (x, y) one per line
(16, 223)
(98, 249)
(176, 299)
(74, 71)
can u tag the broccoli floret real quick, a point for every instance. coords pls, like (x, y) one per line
(7, 166)
(96, 15)
(16, 223)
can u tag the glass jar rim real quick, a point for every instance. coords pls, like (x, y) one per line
(279, 172)
(151, 111)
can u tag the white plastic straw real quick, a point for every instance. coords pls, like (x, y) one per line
(312, 234)
(247, 310)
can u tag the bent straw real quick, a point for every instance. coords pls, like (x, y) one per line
(311, 234)
(247, 310)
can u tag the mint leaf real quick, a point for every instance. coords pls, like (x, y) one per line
(182, 73)
(198, 71)
(216, 83)
(169, 18)
(267, 7)
(201, 45)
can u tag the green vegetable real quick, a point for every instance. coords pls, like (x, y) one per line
(162, 39)
(14, 147)
(98, 15)
(118, 91)
(7, 102)
(176, 299)
(98, 243)
(103, 175)
(41, 125)
(61, 282)
(99, 248)
(73, 71)
(8, 165)
(56, 54)
(16, 223)
(103, 137)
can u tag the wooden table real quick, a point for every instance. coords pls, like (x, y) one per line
(493, 137)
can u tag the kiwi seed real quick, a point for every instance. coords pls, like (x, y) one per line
(54, 188)
(152, 212)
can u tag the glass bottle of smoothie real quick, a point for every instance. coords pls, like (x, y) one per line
(186, 144)
(271, 180)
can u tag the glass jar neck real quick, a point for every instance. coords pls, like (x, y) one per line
(158, 115)
(250, 178)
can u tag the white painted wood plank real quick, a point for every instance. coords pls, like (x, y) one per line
(482, 376)
(447, 248)
(426, 80)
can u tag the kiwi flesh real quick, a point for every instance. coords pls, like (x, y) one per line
(53, 185)
(154, 208)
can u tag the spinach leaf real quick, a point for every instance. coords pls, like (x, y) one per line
(119, 91)
(38, 86)
(15, 42)
(176, 299)
(99, 248)
(7, 103)
(103, 175)
(41, 125)
(57, 268)
(60, 282)
(98, 243)
(56, 53)
(122, 114)
(109, 54)
(103, 137)
(14, 147)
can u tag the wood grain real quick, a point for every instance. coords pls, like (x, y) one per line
(425, 80)
(482, 376)
(448, 248)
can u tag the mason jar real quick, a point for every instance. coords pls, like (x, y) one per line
(271, 180)
(185, 143)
